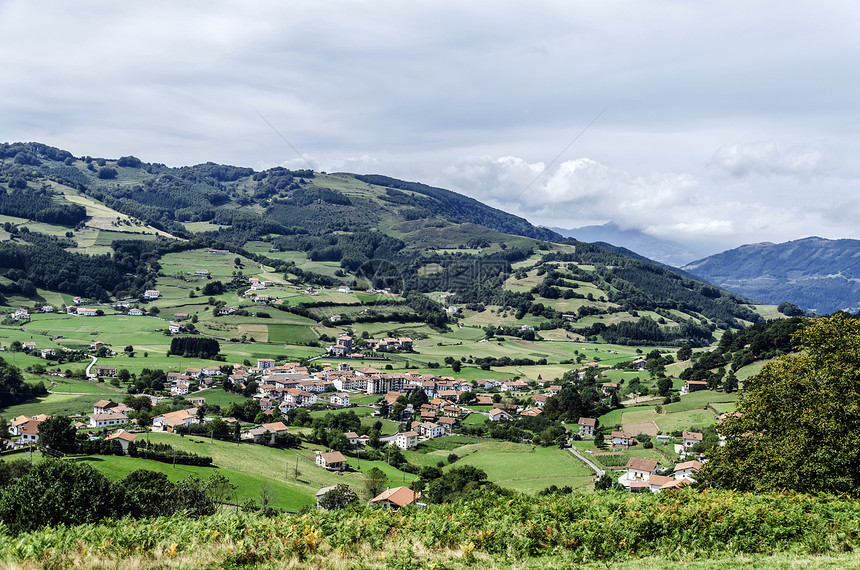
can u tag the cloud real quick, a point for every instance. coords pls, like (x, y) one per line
(473, 96)
(769, 159)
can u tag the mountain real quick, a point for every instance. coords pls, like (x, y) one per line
(814, 273)
(664, 251)
(102, 228)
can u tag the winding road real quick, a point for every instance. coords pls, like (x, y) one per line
(88, 373)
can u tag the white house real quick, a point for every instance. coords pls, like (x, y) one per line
(431, 430)
(340, 400)
(691, 438)
(151, 294)
(123, 437)
(621, 438)
(639, 469)
(406, 440)
(107, 420)
(333, 461)
(497, 415)
(587, 426)
(687, 470)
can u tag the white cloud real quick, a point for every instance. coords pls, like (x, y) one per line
(769, 159)
(410, 90)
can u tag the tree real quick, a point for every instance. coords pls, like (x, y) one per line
(798, 419)
(456, 366)
(789, 309)
(4, 428)
(148, 494)
(339, 497)
(730, 384)
(58, 492)
(107, 173)
(58, 434)
(375, 482)
(685, 352)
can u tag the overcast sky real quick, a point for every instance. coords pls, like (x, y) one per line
(716, 123)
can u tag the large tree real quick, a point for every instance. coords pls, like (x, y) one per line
(799, 418)
(58, 434)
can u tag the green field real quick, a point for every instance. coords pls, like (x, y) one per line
(515, 465)
(56, 404)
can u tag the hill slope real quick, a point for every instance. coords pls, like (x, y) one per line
(328, 230)
(814, 273)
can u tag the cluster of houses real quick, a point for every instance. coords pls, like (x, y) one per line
(107, 413)
(642, 475)
(253, 292)
(344, 347)
(26, 428)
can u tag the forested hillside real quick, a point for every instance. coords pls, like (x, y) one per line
(379, 232)
(816, 274)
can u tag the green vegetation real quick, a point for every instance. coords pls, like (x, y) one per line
(798, 418)
(551, 532)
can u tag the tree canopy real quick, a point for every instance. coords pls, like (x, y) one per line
(799, 418)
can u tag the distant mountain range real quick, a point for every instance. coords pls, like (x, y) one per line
(664, 251)
(814, 273)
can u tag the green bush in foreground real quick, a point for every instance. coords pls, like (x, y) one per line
(567, 529)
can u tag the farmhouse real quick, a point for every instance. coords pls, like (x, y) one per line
(170, 421)
(622, 438)
(587, 426)
(123, 437)
(694, 386)
(639, 469)
(686, 470)
(333, 460)
(497, 415)
(106, 420)
(16, 423)
(397, 498)
(151, 294)
(690, 438)
(135, 312)
(106, 407)
(104, 371)
(657, 482)
(29, 432)
(86, 312)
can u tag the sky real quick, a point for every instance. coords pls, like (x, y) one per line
(712, 124)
